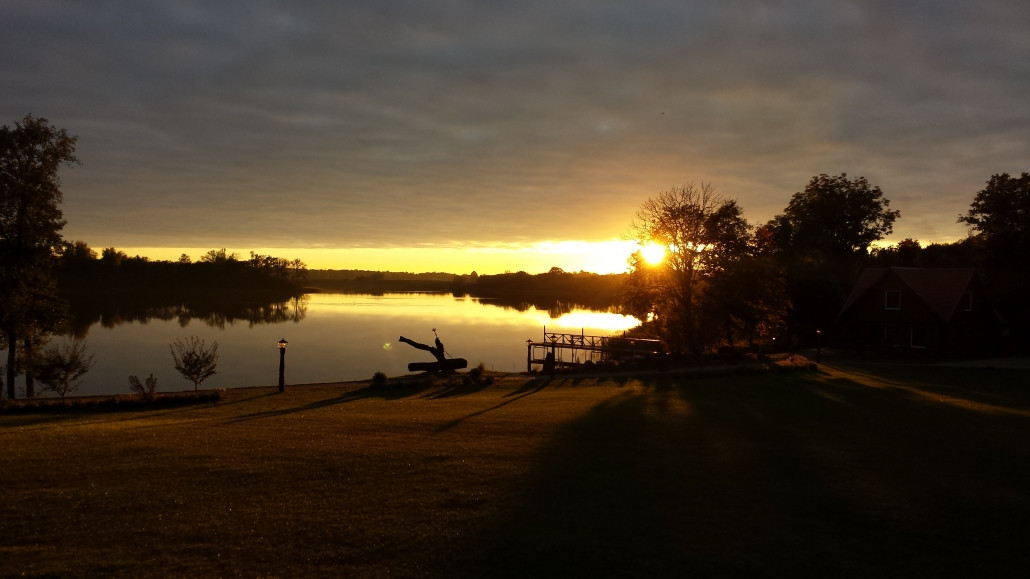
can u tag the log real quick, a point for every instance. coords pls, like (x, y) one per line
(451, 364)
(436, 351)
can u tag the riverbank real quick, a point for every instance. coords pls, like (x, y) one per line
(830, 472)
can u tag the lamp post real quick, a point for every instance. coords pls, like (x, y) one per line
(818, 346)
(282, 364)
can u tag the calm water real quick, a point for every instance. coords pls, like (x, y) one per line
(339, 337)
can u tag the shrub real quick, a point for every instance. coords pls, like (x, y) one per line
(145, 391)
(476, 375)
(379, 379)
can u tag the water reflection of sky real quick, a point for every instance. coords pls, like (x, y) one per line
(449, 309)
(341, 337)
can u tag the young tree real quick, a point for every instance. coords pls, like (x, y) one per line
(31, 153)
(702, 233)
(60, 368)
(194, 360)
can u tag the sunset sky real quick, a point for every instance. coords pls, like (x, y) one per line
(452, 136)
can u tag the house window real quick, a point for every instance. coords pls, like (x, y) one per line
(892, 336)
(967, 301)
(920, 338)
(892, 300)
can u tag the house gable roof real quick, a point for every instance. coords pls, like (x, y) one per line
(940, 289)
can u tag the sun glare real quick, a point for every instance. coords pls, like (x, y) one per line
(653, 253)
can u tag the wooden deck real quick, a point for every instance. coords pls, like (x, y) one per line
(576, 349)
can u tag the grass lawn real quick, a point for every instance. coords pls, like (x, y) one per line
(866, 472)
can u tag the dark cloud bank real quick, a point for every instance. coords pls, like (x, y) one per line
(373, 124)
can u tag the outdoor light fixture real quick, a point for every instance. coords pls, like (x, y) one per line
(282, 364)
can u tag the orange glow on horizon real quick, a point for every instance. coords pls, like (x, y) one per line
(603, 257)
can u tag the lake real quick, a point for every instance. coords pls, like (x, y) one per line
(332, 337)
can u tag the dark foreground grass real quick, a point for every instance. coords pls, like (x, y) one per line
(832, 473)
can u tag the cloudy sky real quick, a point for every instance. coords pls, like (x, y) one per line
(414, 134)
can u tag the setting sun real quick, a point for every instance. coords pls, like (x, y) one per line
(653, 253)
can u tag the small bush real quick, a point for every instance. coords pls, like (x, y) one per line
(379, 379)
(477, 375)
(144, 391)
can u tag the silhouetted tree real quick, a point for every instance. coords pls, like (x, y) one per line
(60, 368)
(821, 240)
(78, 255)
(906, 253)
(219, 256)
(1000, 219)
(702, 233)
(194, 360)
(833, 218)
(747, 300)
(31, 153)
(112, 258)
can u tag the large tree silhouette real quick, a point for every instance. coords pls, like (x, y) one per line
(702, 232)
(999, 220)
(31, 153)
(833, 218)
(822, 238)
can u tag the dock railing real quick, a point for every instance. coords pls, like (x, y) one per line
(575, 349)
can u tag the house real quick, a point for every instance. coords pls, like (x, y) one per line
(920, 310)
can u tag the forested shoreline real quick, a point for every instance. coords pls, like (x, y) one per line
(545, 291)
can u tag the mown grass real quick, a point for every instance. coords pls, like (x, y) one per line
(840, 472)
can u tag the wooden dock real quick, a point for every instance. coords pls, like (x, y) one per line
(576, 349)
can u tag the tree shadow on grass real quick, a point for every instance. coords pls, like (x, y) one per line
(387, 392)
(330, 401)
(529, 388)
(800, 474)
(457, 388)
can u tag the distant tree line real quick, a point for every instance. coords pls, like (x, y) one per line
(377, 282)
(727, 282)
(556, 291)
(81, 270)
